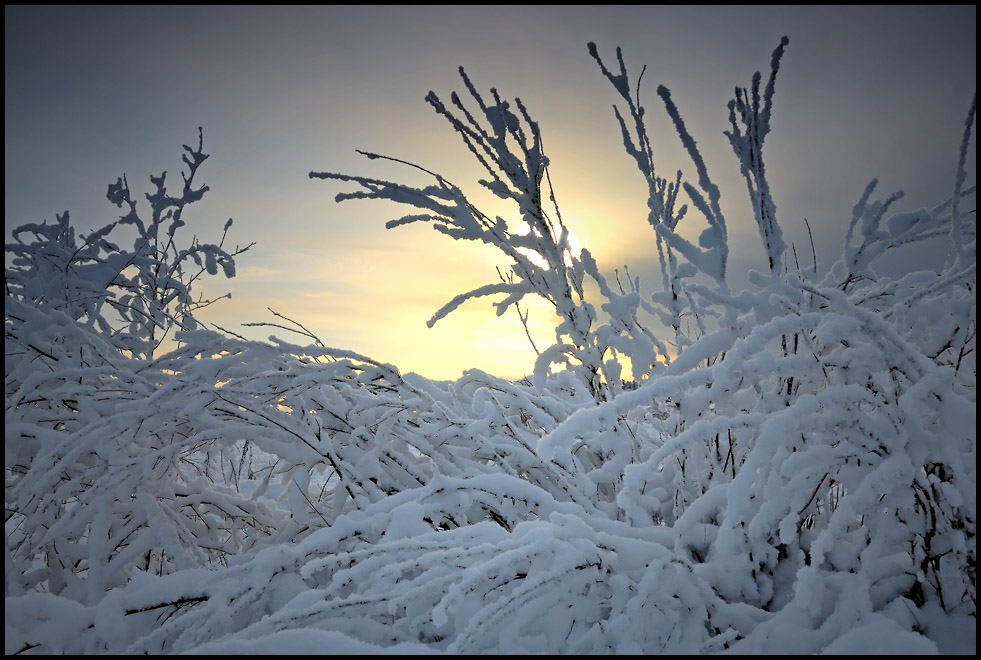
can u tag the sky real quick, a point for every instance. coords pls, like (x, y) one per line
(95, 92)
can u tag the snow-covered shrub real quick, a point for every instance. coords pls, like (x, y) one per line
(106, 472)
(808, 427)
(793, 468)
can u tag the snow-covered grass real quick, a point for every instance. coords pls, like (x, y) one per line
(789, 469)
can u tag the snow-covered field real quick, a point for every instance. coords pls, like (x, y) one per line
(785, 469)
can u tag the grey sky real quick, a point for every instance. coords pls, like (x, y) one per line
(91, 93)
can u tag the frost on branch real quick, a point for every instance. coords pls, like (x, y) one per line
(747, 143)
(794, 470)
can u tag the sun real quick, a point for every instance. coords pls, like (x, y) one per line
(570, 250)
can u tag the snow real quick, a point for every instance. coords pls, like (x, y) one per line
(792, 471)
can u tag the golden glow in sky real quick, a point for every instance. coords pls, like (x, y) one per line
(375, 294)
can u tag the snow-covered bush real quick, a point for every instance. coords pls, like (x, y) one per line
(794, 471)
(104, 472)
